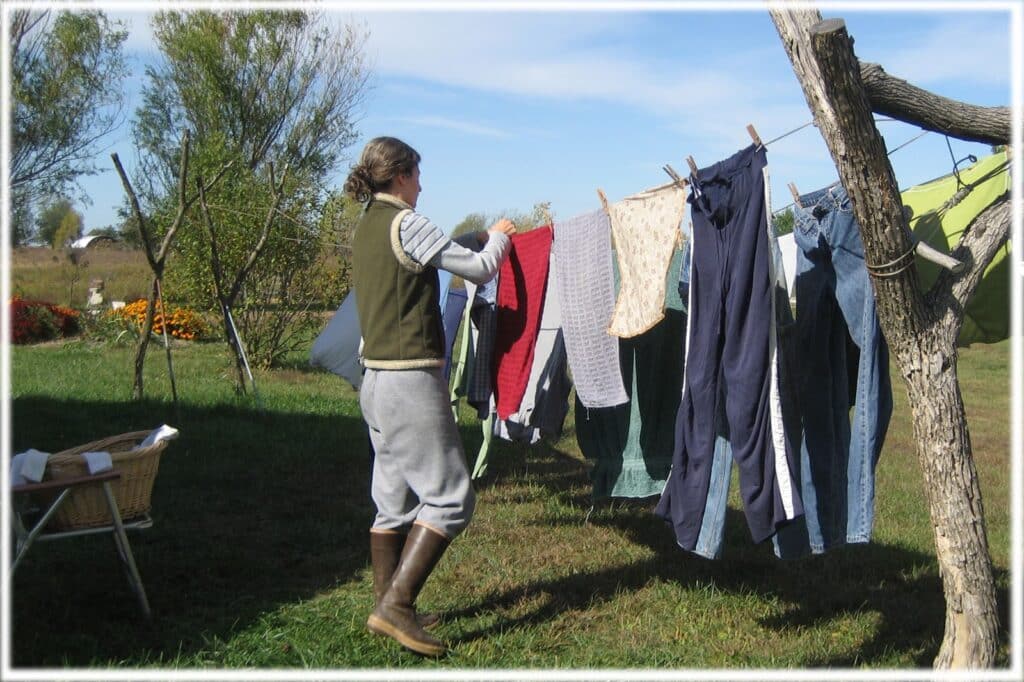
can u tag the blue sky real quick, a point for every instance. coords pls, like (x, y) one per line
(511, 108)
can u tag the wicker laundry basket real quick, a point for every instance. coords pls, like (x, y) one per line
(86, 506)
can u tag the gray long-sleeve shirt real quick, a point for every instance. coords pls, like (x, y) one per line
(426, 244)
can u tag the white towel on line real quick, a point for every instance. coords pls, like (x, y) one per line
(28, 466)
(161, 433)
(97, 461)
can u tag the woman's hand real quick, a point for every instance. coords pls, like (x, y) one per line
(505, 226)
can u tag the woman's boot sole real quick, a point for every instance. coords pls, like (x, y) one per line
(382, 627)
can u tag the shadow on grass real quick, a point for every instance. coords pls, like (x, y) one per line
(902, 586)
(251, 511)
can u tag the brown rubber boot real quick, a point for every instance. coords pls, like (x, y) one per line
(395, 614)
(385, 552)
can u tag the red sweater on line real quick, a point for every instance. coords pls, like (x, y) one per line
(522, 281)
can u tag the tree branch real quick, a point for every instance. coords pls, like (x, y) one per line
(218, 271)
(182, 206)
(897, 98)
(137, 210)
(243, 272)
(986, 234)
(185, 203)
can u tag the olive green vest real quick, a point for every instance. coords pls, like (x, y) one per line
(397, 298)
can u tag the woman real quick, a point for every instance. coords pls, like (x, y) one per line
(420, 486)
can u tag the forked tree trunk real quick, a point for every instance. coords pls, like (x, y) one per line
(921, 330)
(227, 294)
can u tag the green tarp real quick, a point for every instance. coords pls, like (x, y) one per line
(987, 317)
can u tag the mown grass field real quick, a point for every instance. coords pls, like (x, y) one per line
(258, 557)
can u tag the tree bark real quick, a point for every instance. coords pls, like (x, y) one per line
(140, 350)
(921, 332)
(897, 98)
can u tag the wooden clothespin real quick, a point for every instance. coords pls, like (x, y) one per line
(692, 164)
(603, 198)
(754, 136)
(547, 216)
(681, 182)
(796, 194)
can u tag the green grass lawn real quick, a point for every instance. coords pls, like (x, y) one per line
(259, 552)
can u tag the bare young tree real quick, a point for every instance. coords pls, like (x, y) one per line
(157, 260)
(227, 292)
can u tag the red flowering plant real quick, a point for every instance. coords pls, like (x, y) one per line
(35, 321)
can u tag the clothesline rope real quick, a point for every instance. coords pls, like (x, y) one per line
(890, 153)
(787, 134)
(901, 263)
(811, 122)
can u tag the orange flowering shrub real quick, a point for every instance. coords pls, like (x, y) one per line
(182, 323)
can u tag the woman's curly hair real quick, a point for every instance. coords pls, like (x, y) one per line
(382, 159)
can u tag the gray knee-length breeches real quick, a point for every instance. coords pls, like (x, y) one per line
(419, 470)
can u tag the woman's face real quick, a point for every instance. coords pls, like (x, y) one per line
(407, 187)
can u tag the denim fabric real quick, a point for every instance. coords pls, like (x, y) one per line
(712, 528)
(840, 348)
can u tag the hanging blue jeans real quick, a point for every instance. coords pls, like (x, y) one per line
(840, 348)
(731, 341)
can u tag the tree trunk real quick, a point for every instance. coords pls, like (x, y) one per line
(227, 299)
(922, 336)
(140, 351)
(157, 260)
(235, 345)
(954, 501)
(167, 348)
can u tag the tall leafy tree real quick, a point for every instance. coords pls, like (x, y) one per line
(69, 230)
(50, 219)
(66, 96)
(271, 86)
(263, 89)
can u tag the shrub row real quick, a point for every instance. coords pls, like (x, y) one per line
(182, 323)
(35, 321)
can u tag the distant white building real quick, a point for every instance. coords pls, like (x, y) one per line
(91, 240)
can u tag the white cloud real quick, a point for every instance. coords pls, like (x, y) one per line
(568, 57)
(576, 57)
(452, 124)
